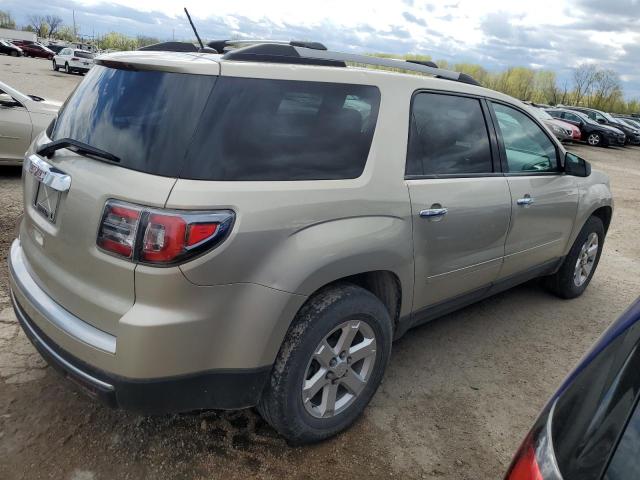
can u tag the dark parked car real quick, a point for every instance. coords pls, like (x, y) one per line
(35, 50)
(594, 133)
(9, 48)
(604, 118)
(590, 429)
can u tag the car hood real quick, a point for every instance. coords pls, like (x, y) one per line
(565, 125)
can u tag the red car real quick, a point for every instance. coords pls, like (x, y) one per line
(32, 49)
(575, 131)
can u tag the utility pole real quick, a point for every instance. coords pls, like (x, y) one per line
(75, 32)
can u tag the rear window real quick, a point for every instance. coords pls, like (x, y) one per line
(208, 128)
(81, 54)
(145, 118)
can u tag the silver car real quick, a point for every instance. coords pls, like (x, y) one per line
(22, 118)
(256, 228)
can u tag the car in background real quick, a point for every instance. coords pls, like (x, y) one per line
(22, 118)
(594, 133)
(632, 134)
(73, 60)
(590, 429)
(56, 48)
(9, 48)
(563, 131)
(631, 121)
(32, 49)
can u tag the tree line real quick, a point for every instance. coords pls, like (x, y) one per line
(588, 86)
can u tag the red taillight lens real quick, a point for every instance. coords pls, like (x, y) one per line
(75, 59)
(118, 229)
(199, 232)
(156, 236)
(525, 466)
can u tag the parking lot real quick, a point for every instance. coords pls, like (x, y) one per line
(457, 399)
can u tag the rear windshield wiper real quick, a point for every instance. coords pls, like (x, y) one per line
(78, 147)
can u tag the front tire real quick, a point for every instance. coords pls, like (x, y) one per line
(573, 277)
(14, 54)
(594, 139)
(329, 365)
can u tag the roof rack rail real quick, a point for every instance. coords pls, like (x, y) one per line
(317, 54)
(222, 46)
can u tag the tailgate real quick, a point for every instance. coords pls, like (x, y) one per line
(61, 253)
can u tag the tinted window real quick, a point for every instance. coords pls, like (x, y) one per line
(256, 129)
(571, 116)
(448, 135)
(81, 54)
(145, 118)
(528, 148)
(624, 464)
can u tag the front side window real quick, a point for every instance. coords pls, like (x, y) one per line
(448, 135)
(527, 147)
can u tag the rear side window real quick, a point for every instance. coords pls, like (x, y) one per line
(81, 54)
(259, 129)
(448, 135)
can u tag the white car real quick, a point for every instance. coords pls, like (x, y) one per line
(22, 118)
(73, 60)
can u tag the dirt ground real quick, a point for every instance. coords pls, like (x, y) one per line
(458, 397)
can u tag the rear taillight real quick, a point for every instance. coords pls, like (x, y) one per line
(160, 237)
(525, 465)
(75, 59)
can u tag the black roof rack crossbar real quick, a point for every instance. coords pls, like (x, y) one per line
(279, 53)
(221, 46)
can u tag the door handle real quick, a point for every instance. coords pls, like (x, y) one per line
(433, 212)
(526, 200)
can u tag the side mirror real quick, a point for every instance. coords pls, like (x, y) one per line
(7, 101)
(576, 166)
(600, 120)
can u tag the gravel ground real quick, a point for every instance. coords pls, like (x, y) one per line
(458, 397)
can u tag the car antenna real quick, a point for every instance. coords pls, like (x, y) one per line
(194, 28)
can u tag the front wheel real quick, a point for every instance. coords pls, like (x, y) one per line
(594, 139)
(573, 277)
(14, 54)
(329, 366)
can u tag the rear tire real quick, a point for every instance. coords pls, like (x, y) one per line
(55, 66)
(66, 68)
(318, 387)
(578, 267)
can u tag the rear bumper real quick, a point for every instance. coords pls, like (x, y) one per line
(166, 357)
(224, 390)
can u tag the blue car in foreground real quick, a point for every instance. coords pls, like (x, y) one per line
(590, 429)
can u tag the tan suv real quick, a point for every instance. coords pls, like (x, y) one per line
(255, 228)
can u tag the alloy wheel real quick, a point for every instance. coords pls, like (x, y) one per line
(593, 139)
(339, 369)
(586, 260)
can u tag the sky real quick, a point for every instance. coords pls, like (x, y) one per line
(550, 34)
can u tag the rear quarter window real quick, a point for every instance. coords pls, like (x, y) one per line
(260, 129)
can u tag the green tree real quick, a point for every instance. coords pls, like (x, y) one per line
(6, 20)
